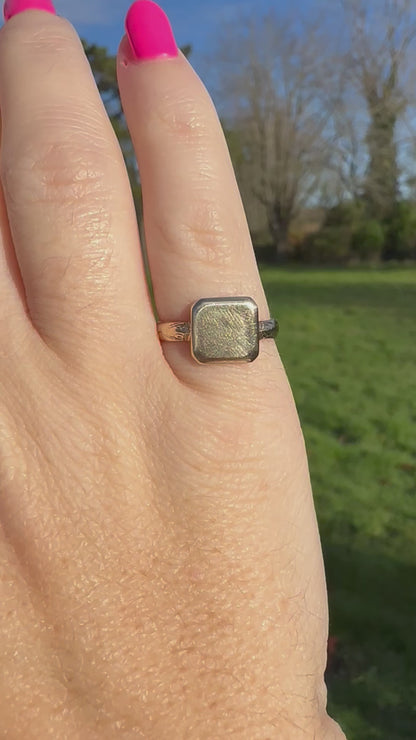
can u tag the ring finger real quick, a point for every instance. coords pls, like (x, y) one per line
(197, 236)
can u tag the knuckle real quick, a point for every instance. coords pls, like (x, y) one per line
(56, 34)
(51, 35)
(200, 233)
(204, 227)
(187, 119)
(59, 171)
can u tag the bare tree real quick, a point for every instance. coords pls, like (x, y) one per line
(382, 33)
(348, 156)
(273, 95)
(316, 111)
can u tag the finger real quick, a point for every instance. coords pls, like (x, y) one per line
(14, 312)
(68, 196)
(197, 236)
(15, 329)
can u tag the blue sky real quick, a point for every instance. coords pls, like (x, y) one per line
(194, 21)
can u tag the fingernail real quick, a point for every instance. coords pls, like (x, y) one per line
(13, 7)
(149, 31)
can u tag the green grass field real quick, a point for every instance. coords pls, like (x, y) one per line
(348, 341)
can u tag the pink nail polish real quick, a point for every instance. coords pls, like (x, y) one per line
(149, 31)
(13, 7)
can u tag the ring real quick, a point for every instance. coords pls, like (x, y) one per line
(221, 330)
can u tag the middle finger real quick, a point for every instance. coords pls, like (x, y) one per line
(68, 196)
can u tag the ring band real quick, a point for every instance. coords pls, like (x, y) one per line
(221, 330)
(180, 331)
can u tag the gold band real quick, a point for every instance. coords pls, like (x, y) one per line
(180, 331)
(174, 331)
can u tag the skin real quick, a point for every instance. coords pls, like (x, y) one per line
(161, 573)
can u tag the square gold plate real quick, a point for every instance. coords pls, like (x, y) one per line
(224, 330)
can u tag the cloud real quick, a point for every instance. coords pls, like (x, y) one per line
(89, 12)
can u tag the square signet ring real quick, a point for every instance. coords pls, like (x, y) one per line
(221, 330)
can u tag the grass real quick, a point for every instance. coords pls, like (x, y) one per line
(348, 341)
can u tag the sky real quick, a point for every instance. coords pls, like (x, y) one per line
(194, 21)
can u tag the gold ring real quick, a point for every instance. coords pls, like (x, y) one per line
(221, 330)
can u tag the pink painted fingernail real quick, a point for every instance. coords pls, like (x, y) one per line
(149, 31)
(13, 7)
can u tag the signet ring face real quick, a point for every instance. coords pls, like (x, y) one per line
(224, 330)
(221, 330)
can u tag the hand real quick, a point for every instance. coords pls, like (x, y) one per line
(160, 566)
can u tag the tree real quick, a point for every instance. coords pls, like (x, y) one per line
(346, 142)
(381, 34)
(272, 96)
